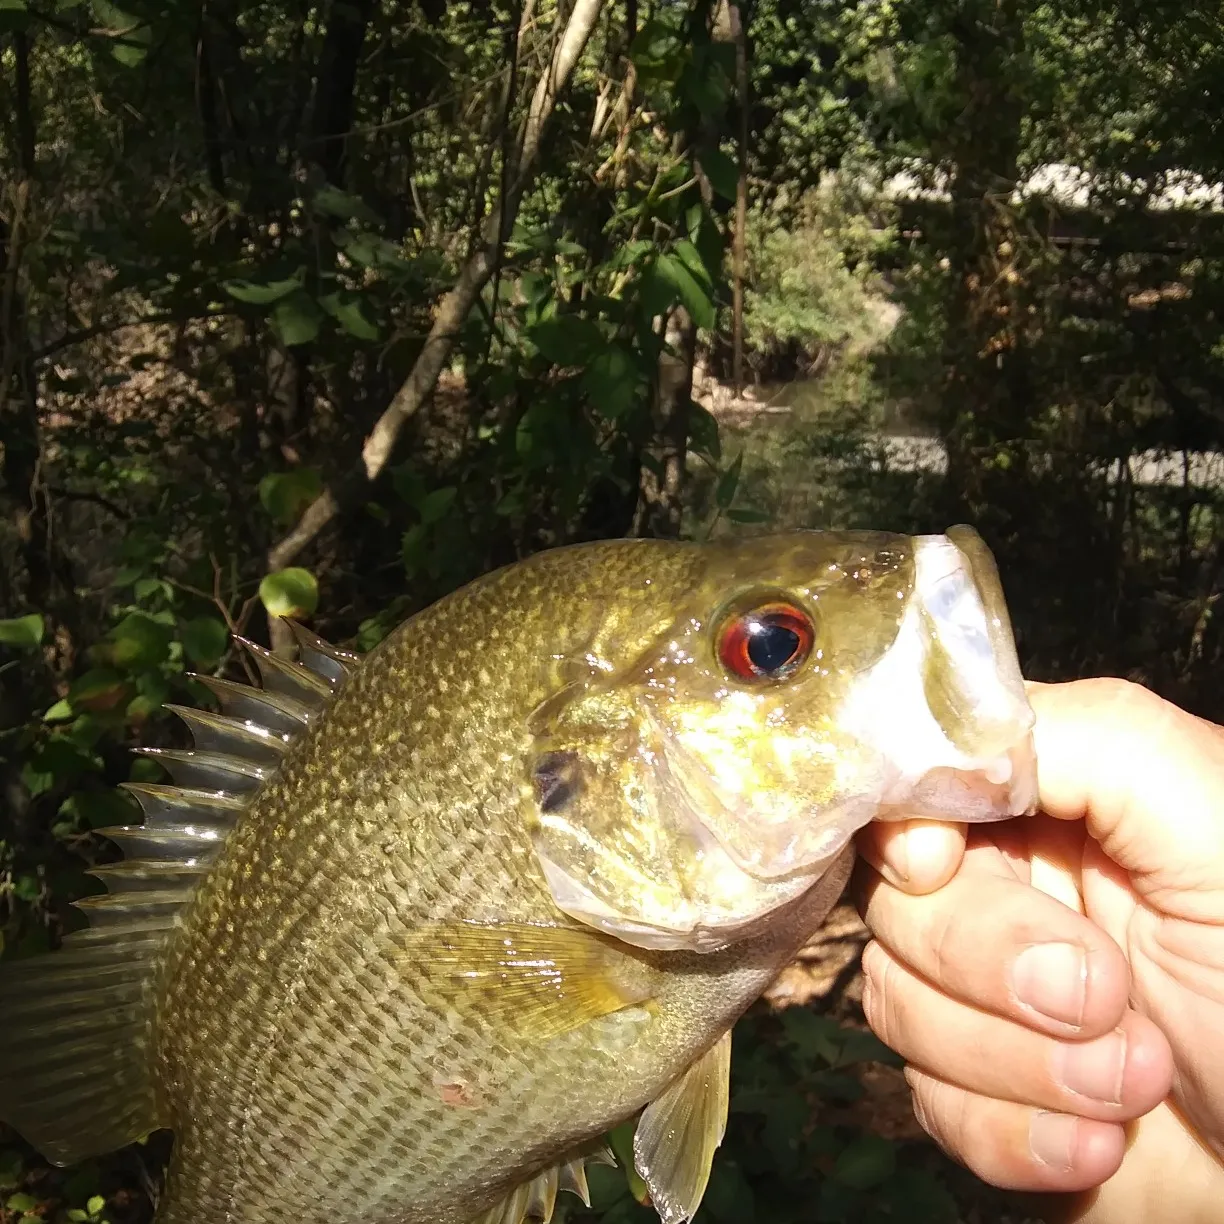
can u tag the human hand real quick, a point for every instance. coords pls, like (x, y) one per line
(1062, 976)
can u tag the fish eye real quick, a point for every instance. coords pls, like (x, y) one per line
(767, 642)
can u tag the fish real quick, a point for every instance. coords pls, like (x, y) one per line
(408, 933)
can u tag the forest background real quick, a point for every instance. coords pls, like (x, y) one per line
(323, 309)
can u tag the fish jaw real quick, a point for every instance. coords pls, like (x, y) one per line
(946, 707)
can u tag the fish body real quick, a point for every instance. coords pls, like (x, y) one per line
(403, 951)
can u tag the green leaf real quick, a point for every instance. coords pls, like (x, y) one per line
(611, 381)
(866, 1162)
(434, 506)
(690, 256)
(722, 172)
(10, 1162)
(290, 592)
(21, 1202)
(352, 311)
(132, 35)
(296, 319)
(96, 1205)
(332, 202)
(412, 548)
(25, 632)
(98, 808)
(566, 340)
(689, 290)
(144, 588)
(728, 483)
(205, 639)
(139, 641)
(98, 691)
(629, 255)
(284, 495)
(704, 438)
(61, 711)
(263, 293)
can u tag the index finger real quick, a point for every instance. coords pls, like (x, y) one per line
(1146, 776)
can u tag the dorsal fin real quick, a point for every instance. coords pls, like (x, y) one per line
(78, 1023)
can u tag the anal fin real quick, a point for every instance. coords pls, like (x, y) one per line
(677, 1134)
(533, 1201)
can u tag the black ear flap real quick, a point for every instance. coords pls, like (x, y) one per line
(557, 777)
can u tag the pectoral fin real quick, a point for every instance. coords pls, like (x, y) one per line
(536, 981)
(677, 1135)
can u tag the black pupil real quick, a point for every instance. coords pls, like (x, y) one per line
(771, 646)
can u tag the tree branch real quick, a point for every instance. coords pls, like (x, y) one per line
(457, 304)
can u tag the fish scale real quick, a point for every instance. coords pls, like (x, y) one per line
(385, 981)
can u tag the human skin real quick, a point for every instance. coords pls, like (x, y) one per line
(1056, 985)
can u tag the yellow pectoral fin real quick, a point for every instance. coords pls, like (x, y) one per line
(536, 981)
(677, 1135)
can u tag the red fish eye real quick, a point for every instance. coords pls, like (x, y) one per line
(767, 643)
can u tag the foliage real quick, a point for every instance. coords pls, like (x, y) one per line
(815, 289)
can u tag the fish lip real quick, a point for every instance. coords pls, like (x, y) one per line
(983, 573)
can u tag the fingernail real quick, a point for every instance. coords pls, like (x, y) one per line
(895, 865)
(1052, 978)
(1094, 1069)
(1052, 1139)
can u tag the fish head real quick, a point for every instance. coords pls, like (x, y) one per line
(811, 682)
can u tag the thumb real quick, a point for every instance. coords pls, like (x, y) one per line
(1148, 780)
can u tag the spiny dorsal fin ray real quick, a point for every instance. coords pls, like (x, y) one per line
(229, 737)
(208, 770)
(77, 1024)
(330, 662)
(274, 712)
(677, 1134)
(294, 680)
(533, 1201)
(174, 805)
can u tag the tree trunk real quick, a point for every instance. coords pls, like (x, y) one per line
(661, 484)
(987, 397)
(19, 426)
(332, 116)
(739, 237)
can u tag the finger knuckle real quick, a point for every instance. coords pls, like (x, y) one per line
(941, 1110)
